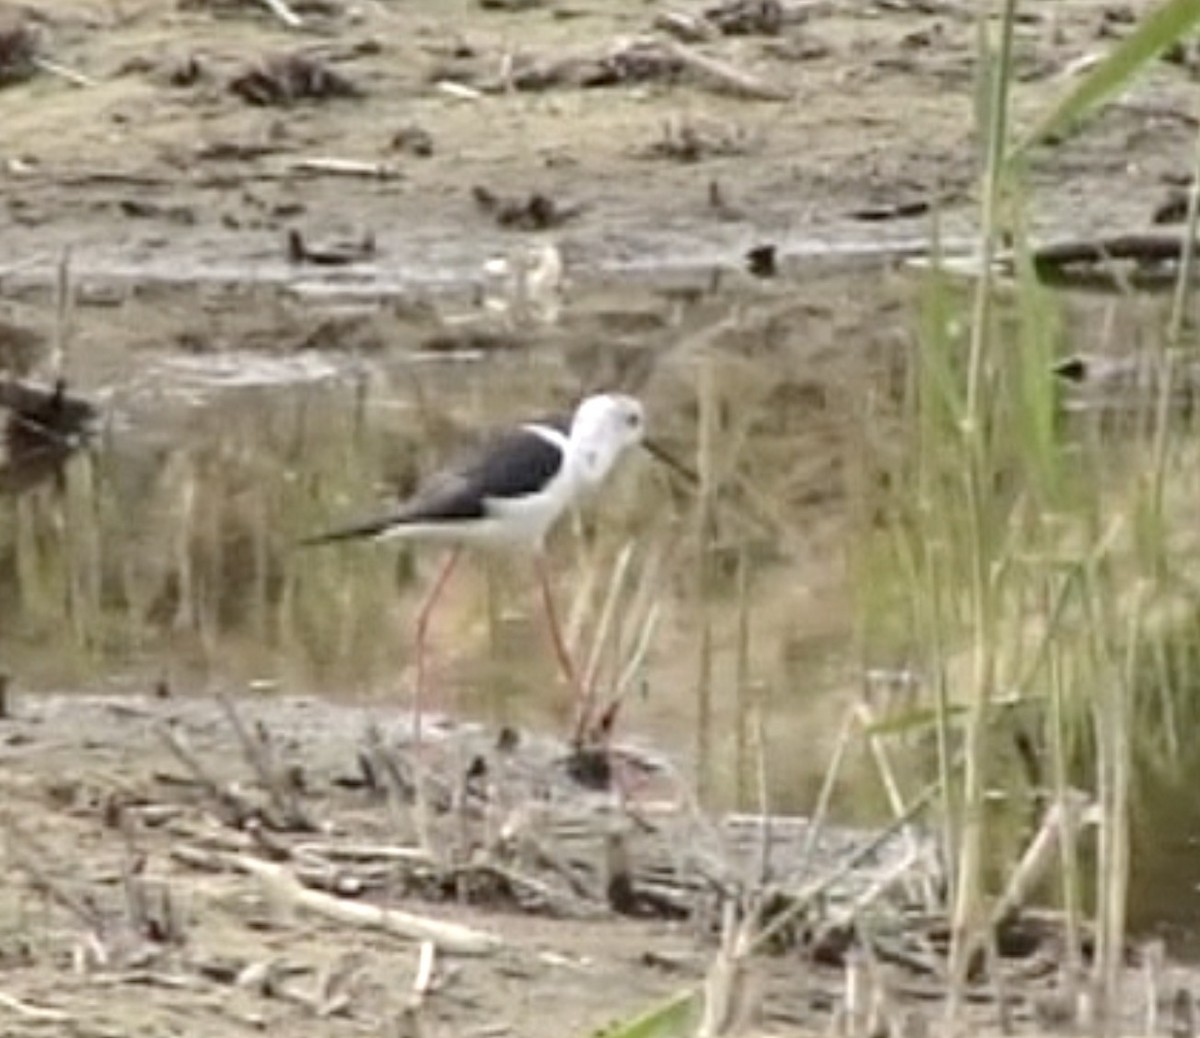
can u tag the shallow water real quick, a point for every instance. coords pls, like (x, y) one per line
(171, 546)
(168, 552)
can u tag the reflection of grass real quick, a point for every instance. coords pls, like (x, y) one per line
(182, 557)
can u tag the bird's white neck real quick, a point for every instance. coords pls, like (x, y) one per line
(586, 462)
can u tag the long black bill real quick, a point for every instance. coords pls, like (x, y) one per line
(667, 458)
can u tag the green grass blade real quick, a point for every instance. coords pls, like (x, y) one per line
(673, 1018)
(1158, 30)
(985, 89)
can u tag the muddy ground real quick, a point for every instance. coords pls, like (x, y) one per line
(166, 183)
(133, 904)
(157, 164)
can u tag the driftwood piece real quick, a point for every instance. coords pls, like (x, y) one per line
(450, 937)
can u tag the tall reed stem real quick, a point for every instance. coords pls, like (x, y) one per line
(968, 892)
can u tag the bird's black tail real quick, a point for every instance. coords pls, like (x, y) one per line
(364, 530)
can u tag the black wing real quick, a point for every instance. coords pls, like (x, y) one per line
(514, 464)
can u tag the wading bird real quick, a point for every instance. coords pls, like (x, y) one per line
(507, 497)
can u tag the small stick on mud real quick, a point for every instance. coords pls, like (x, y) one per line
(722, 76)
(284, 13)
(459, 90)
(337, 167)
(32, 1012)
(451, 937)
(423, 981)
(70, 75)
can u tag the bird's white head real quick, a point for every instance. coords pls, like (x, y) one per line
(604, 426)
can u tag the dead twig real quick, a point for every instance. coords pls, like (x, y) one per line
(284, 13)
(723, 77)
(32, 1012)
(423, 980)
(450, 937)
(331, 165)
(62, 72)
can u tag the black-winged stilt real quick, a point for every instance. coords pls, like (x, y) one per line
(508, 497)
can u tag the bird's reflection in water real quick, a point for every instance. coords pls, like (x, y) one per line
(44, 426)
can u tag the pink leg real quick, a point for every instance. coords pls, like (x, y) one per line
(426, 611)
(583, 696)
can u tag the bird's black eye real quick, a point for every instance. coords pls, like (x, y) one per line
(633, 419)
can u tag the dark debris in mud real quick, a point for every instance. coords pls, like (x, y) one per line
(763, 261)
(413, 140)
(333, 253)
(534, 212)
(288, 79)
(690, 140)
(471, 339)
(753, 17)
(18, 49)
